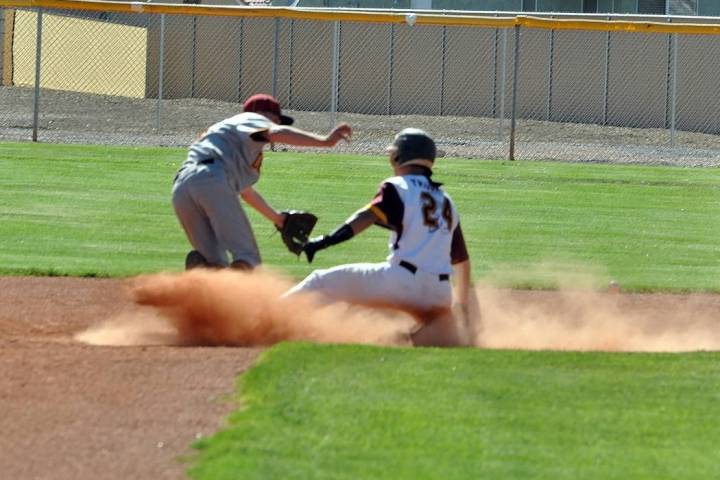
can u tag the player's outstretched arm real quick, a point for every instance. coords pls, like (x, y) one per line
(357, 223)
(256, 201)
(301, 138)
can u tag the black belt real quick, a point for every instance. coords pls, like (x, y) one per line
(443, 277)
(204, 161)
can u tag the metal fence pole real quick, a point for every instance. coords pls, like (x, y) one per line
(503, 69)
(193, 64)
(276, 57)
(606, 78)
(290, 63)
(38, 60)
(550, 75)
(673, 88)
(160, 72)
(391, 60)
(442, 71)
(335, 73)
(240, 59)
(513, 114)
(495, 72)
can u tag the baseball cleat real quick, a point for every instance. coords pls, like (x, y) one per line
(194, 259)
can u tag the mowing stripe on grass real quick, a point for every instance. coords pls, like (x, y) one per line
(362, 412)
(105, 210)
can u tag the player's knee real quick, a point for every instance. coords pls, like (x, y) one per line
(440, 330)
(308, 284)
(314, 281)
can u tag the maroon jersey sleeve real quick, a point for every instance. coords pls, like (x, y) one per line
(388, 207)
(458, 249)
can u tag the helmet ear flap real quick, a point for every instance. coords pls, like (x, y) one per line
(394, 156)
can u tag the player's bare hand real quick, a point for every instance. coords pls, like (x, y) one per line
(342, 131)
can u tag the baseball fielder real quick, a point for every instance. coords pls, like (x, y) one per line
(224, 162)
(426, 247)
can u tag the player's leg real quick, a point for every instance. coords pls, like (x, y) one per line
(363, 283)
(440, 331)
(376, 284)
(423, 295)
(206, 250)
(230, 224)
(236, 235)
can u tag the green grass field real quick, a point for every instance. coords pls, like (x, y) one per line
(99, 210)
(371, 413)
(313, 411)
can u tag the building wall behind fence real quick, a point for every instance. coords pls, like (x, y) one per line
(120, 47)
(565, 76)
(585, 104)
(698, 85)
(619, 79)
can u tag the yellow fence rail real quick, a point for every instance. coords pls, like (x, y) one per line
(370, 17)
(264, 12)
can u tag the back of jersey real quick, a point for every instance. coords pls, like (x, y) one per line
(231, 142)
(429, 219)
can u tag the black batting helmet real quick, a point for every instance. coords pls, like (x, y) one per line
(413, 146)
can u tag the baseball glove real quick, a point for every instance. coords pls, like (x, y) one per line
(296, 229)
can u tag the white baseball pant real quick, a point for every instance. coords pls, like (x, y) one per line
(380, 284)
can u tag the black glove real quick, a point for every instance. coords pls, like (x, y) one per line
(296, 229)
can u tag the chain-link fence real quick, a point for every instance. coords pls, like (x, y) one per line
(160, 79)
(634, 97)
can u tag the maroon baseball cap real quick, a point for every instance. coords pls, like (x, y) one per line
(261, 102)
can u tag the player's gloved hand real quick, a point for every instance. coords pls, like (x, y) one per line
(295, 227)
(313, 245)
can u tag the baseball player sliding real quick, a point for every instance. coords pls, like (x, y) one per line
(225, 162)
(426, 247)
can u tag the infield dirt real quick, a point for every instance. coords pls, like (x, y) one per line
(73, 411)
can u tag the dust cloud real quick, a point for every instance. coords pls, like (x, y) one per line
(233, 308)
(591, 320)
(203, 307)
(130, 329)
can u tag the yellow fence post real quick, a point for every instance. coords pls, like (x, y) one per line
(7, 49)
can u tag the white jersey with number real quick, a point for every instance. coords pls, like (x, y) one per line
(423, 219)
(426, 240)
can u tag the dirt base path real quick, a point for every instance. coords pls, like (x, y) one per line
(72, 411)
(75, 411)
